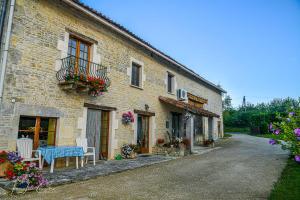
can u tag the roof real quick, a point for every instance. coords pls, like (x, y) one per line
(125, 32)
(189, 107)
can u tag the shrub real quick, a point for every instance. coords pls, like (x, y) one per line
(289, 130)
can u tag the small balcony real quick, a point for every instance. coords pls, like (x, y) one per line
(83, 76)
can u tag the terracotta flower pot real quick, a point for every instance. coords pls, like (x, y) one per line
(3, 167)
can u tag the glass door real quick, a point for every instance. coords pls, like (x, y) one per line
(176, 125)
(143, 133)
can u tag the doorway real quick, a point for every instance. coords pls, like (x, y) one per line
(210, 128)
(143, 133)
(97, 131)
(176, 125)
(198, 130)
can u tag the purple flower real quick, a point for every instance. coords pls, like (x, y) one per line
(276, 132)
(297, 158)
(291, 114)
(288, 119)
(271, 127)
(13, 157)
(272, 141)
(297, 132)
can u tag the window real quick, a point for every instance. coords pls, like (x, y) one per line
(41, 130)
(136, 75)
(170, 83)
(79, 53)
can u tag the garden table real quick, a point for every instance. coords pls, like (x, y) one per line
(49, 154)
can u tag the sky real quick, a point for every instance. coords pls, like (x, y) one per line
(250, 47)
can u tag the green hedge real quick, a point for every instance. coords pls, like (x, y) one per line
(236, 130)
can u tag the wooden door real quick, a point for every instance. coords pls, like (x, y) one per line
(143, 133)
(104, 134)
(93, 130)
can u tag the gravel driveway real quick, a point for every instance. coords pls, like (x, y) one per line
(245, 168)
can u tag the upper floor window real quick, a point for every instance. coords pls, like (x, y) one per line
(79, 53)
(79, 48)
(170, 83)
(136, 75)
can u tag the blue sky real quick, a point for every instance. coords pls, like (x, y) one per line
(250, 47)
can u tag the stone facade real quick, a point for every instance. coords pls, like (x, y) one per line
(39, 40)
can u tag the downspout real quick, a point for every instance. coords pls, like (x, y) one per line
(3, 14)
(6, 47)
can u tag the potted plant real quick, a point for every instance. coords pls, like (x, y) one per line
(25, 176)
(4, 163)
(160, 142)
(134, 148)
(97, 86)
(127, 118)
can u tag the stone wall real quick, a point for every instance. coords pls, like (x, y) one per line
(40, 30)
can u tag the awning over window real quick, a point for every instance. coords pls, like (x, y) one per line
(189, 107)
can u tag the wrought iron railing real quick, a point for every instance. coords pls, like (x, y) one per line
(75, 68)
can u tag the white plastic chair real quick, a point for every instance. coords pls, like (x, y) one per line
(82, 142)
(24, 146)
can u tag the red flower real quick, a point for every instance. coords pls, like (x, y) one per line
(9, 174)
(2, 160)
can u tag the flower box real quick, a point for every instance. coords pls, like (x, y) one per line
(3, 168)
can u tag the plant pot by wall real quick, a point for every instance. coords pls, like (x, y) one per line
(3, 168)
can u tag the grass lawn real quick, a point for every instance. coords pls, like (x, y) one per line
(269, 135)
(226, 135)
(288, 185)
(236, 130)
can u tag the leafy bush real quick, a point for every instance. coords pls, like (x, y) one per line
(257, 117)
(289, 129)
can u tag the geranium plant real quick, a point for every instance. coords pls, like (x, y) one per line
(24, 175)
(127, 117)
(288, 130)
(97, 86)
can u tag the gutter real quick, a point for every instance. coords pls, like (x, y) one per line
(6, 47)
(127, 35)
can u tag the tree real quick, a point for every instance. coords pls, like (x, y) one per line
(227, 105)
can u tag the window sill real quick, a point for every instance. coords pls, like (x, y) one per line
(171, 93)
(137, 87)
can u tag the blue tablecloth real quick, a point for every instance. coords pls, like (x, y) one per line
(51, 152)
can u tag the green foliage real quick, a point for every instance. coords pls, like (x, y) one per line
(236, 130)
(288, 185)
(271, 135)
(257, 117)
(226, 135)
(288, 126)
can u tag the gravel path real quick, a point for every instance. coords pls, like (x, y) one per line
(245, 168)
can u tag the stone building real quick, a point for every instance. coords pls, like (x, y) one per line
(50, 52)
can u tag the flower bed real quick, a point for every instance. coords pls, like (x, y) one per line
(25, 176)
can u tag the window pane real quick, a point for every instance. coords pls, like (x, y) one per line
(47, 129)
(135, 76)
(27, 127)
(170, 83)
